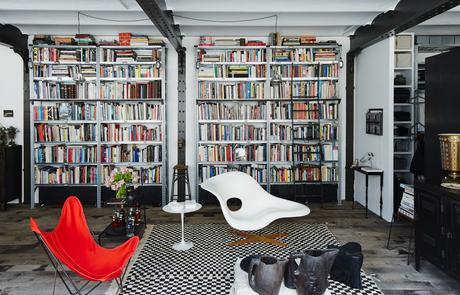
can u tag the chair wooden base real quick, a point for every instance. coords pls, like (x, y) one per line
(250, 238)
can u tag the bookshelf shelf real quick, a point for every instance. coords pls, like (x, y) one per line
(90, 69)
(404, 69)
(273, 108)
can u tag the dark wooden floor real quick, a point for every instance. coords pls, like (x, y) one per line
(24, 267)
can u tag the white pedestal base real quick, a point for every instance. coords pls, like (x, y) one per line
(182, 246)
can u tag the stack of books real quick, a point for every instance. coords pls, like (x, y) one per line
(63, 71)
(145, 55)
(281, 56)
(63, 40)
(307, 40)
(325, 55)
(255, 43)
(227, 42)
(406, 207)
(88, 71)
(238, 71)
(69, 56)
(139, 40)
(84, 39)
(291, 41)
(156, 42)
(124, 39)
(43, 39)
(124, 55)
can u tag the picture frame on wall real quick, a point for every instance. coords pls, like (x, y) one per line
(374, 122)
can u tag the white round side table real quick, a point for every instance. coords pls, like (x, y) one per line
(182, 208)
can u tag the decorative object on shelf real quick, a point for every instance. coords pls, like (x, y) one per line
(400, 80)
(122, 181)
(258, 207)
(266, 274)
(374, 121)
(347, 265)
(450, 159)
(366, 159)
(311, 276)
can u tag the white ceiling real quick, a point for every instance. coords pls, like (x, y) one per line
(321, 18)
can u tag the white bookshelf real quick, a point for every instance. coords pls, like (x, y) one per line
(404, 64)
(268, 122)
(132, 118)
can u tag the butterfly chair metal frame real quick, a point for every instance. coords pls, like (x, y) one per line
(69, 283)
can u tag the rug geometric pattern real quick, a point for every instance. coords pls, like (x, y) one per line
(207, 268)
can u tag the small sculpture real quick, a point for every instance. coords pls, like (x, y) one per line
(266, 275)
(311, 276)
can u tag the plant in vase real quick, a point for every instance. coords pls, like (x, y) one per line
(121, 180)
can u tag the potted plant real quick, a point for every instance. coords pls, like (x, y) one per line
(11, 132)
(122, 180)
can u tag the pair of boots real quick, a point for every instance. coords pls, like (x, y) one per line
(309, 277)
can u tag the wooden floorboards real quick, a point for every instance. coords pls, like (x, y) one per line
(23, 264)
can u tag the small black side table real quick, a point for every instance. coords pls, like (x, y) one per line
(119, 233)
(366, 170)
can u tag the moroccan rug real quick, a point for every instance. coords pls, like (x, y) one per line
(207, 268)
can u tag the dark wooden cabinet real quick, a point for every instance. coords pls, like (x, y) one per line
(437, 226)
(10, 174)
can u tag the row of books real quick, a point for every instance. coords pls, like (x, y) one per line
(130, 55)
(70, 71)
(131, 111)
(209, 41)
(258, 172)
(221, 132)
(231, 90)
(292, 55)
(304, 174)
(303, 153)
(66, 175)
(65, 154)
(305, 111)
(116, 132)
(311, 131)
(65, 111)
(130, 153)
(64, 133)
(243, 56)
(64, 90)
(226, 153)
(406, 207)
(306, 71)
(148, 175)
(304, 89)
(231, 71)
(81, 55)
(131, 90)
(219, 111)
(130, 71)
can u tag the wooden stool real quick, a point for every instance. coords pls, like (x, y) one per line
(180, 174)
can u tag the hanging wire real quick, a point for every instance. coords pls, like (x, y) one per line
(184, 17)
(78, 17)
(231, 21)
(113, 20)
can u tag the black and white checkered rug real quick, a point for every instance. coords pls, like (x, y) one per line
(207, 268)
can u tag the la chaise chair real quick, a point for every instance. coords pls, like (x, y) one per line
(71, 245)
(258, 207)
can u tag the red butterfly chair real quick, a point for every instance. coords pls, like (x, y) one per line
(71, 244)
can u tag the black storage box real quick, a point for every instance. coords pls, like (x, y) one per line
(401, 95)
(402, 116)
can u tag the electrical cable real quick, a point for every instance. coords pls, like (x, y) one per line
(231, 21)
(113, 20)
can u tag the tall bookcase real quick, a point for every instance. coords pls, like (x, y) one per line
(94, 108)
(278, 103)
(404, 110)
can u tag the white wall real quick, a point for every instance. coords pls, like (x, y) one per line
(11, 84)
(12, 97)
(373, 85)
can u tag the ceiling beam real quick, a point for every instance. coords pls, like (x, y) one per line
(163, 20)
(407, 13)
